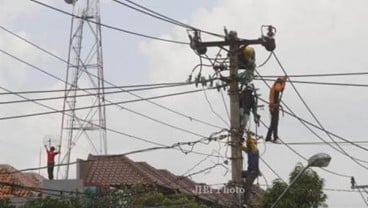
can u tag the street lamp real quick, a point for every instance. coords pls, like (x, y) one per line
(317, 160)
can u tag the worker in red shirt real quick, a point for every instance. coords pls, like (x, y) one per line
(274, 104)
(51, 161)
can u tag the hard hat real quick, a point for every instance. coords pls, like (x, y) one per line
(248, 52)
(281, 79)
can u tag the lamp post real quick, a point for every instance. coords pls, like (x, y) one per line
(317, 160)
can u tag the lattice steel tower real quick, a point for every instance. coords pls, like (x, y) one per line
(84, 76)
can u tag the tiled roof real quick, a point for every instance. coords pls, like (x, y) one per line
(120, 170)
(23, 179)
(107, 170)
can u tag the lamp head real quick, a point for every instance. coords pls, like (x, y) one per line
(319, 160)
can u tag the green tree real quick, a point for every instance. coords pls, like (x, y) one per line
(307, 192)
(123, 197)
(5, 203)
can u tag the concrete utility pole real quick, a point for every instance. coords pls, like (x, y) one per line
(236, 152)
(234, 43)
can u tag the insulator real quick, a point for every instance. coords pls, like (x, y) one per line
(189, 78)
(196, 80)
(210, 79)
(218, 87)
(203, 81)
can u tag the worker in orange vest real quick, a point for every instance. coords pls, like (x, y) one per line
(274, 105)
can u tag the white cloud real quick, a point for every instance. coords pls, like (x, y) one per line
(312, 37)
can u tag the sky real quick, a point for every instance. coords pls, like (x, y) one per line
(313, 37)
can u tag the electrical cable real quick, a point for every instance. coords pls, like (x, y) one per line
(206, 97)
(108, 26)
(339, 190)
(151, 102)
(121, 133)
(319, 143)
(319, 75)
(265, 61)
(197, 164)
(304, 123)
(313, 115)
(361, 194)
(273, 171)
(163, 17)
(138, 87)
(322, 83)
(110, 103)
(224, 102)
(158, 147)
(41, 190)
(83, 95)
(213, 110)
(304, 158)
(88, 107)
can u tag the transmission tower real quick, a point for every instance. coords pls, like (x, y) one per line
(84, 70)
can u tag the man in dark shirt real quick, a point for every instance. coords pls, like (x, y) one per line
(247, 103)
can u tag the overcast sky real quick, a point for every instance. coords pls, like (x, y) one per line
(316, 37)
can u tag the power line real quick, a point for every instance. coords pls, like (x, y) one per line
(269, 167)
(109, 26)
(306, 126)
(339, 190)
(224, 102)
(265, 61)
(90, 94)
(87, 107)
(325, 189)
(163, 17)
(160, 147)
(320, 75)
(323, 83)
(110, 102)
(119, 132)
(191, 118)
(306, 123)
(319, 143)
(196, 165)
(313, 115)
(363, 198)
(136, 87)
(152, 14)
(213, 110)
(38, 189)
(304, 158)
(311, 130)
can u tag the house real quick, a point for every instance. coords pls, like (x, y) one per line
(15, 185)
(117, 170)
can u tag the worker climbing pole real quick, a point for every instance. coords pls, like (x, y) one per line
(240, 56)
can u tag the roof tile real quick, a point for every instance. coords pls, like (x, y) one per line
(19, 178)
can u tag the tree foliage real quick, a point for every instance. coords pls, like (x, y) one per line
(306, 192)
(5, 203)
(122, 197)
